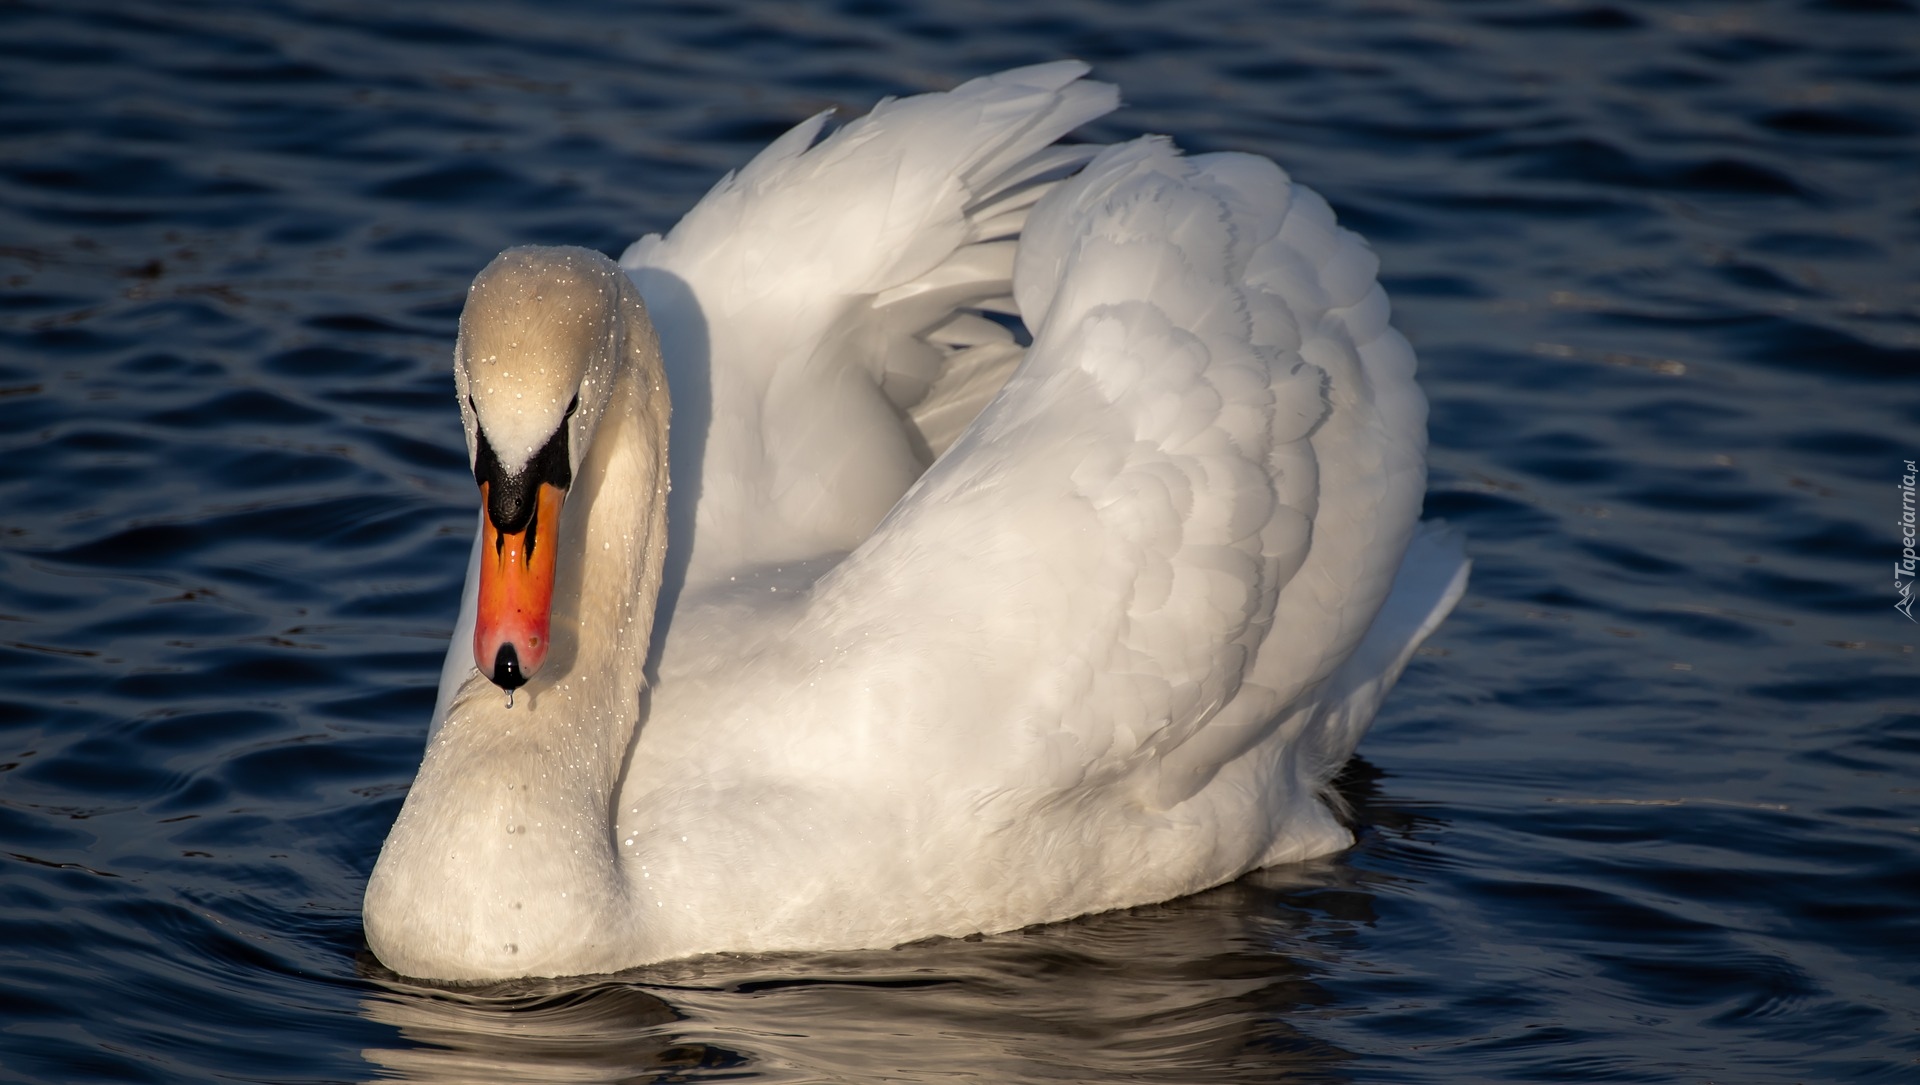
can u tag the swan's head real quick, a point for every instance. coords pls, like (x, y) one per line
(534, 366)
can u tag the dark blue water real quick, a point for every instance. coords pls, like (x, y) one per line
(1646, 809)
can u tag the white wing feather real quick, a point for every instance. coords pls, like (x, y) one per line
(795, 302)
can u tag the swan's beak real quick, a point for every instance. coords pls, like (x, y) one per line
(516, 592)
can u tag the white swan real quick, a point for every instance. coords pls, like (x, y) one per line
(1107, 649)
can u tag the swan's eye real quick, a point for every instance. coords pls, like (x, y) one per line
(574, 405)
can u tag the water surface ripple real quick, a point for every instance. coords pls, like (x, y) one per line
(1646, 809)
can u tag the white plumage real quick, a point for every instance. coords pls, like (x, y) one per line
(1107, 648)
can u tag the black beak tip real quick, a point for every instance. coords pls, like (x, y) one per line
(506, 669)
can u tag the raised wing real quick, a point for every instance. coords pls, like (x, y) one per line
(814, 311)
(1182, 512)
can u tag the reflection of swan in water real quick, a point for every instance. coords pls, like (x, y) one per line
(1202, 989)
(1107, 649)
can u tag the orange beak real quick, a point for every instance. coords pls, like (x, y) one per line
(516, 592)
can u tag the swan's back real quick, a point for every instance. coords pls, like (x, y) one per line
(1104, 651)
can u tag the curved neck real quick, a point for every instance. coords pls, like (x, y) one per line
(502, 862)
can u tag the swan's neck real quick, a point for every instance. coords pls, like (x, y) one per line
(503, 861)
